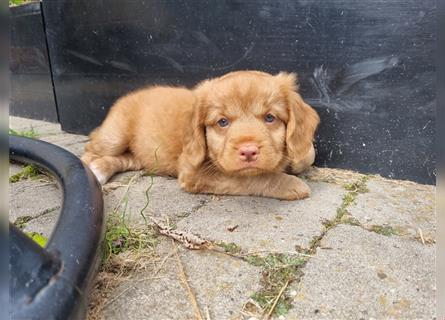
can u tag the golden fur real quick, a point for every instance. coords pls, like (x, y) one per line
(267, 130)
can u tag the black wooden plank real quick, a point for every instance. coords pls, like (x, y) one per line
(367, 66)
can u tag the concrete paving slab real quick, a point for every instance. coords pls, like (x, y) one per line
(15, 168)
(220, 284)
(50, 132)
(266, 224)
(33, 198)
(144, 296)
(406, 206)
(365, 275)
(42, 128)
(44, 224)
(166, 199)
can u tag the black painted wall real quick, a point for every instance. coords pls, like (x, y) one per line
(32, 93)
(366, 66)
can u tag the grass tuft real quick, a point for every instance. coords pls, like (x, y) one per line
(126, 249)
(119, 238)
(358, 186)
(31, 133)
(18, 2)
(28, 172)
(278, 270)
(231, 247)
(348, 219)
(38, 238)
(383, 230)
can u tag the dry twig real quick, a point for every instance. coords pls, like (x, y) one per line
(183, 278)
(276, 300)
(421, 235)
(189, 240)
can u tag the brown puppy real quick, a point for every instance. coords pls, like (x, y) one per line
(236, 134)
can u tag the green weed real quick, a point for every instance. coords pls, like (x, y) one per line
(31, 133)
(231, 247)
(383, 230)
(278, 270)
(28, 172)
(38, 238)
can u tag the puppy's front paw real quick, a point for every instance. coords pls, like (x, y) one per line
(101, 176)
(295, 189)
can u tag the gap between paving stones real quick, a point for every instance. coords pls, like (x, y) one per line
(349, 199)
(21, 222)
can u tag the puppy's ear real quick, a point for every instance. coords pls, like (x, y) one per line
(303, 119)
(194, 150)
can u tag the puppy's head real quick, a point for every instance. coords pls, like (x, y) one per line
(250, 122)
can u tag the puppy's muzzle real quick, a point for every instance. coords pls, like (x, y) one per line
(248, 152)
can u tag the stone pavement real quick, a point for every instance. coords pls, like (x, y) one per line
(362, 247)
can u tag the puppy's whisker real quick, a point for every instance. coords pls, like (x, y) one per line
(210, 169)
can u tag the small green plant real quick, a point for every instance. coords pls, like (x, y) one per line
(358, 186)
(116, 236)
(254, 260)
(38, 238)
(28, 172)
(151, 173)
(18, 2)
(348, 199)
(31, 133)
(278, 271)
(120, 238)
(348, 219)
(231, 247)
(383, 230)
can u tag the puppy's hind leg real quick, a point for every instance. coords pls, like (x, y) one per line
(89, 157)
(105, 167)
(105, 153)
(112, 138)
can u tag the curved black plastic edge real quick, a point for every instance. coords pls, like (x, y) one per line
(76, 238)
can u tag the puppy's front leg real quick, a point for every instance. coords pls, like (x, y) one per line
(276, 185)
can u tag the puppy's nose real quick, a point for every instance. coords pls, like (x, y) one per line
(248, 152)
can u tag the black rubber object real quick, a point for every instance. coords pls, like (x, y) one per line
(54, 282)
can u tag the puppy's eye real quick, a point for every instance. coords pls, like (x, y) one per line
(269, 118)
(223, 122)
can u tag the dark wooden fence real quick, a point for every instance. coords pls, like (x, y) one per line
(367, 66)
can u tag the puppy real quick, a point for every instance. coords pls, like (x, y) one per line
(237, 134)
